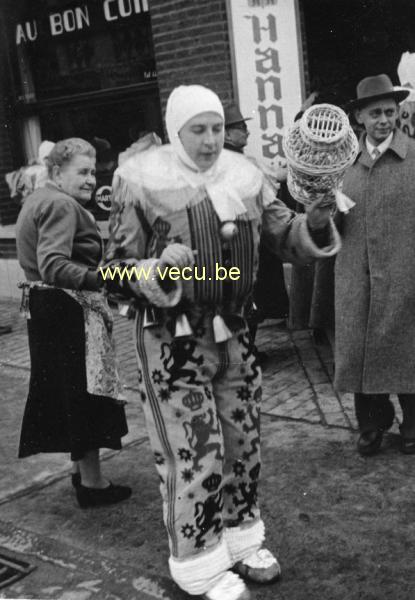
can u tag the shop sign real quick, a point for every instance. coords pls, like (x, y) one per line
(103, 197)
(267, 62)
(82, 47)
(77, 18)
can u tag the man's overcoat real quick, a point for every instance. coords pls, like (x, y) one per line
(375, 274)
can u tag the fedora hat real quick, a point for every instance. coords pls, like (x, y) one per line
(374, 88)
(233, 115)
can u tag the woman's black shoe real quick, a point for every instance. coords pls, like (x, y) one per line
(89, 497)
(408, 445)
(76, 479)
(370, 442)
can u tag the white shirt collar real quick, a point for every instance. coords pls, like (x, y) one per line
(381, 147)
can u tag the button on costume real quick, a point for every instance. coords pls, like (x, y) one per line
(200, 384)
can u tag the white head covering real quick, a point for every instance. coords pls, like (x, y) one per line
(184, 103)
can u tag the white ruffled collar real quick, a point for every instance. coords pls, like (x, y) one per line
(228, 182)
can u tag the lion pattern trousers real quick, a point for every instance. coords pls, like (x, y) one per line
(202, 403)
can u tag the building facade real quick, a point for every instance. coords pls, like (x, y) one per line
(103, 69)
(88, 69)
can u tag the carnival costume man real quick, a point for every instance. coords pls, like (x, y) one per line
(192, 204)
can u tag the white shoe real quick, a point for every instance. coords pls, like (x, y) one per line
(229, 587)
(261, 566)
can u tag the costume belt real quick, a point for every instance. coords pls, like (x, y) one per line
(183, 317)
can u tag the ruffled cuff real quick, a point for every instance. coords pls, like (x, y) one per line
(149, 285)
(200, 573)
(243, 540)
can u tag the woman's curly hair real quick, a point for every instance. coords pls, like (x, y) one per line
(64, 151)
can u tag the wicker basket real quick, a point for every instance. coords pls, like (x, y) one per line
(319, 148)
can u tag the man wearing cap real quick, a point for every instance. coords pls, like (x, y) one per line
(375, 283)
(236, 129)
(269, 295)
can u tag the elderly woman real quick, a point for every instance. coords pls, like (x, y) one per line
(74, 399)
(191, 204)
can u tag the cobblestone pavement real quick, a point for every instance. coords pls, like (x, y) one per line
(297, 375)
(296, 386)
(122, 553)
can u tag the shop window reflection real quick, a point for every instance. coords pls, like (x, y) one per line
(75, 50)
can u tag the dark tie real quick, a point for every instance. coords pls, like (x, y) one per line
(375, 154)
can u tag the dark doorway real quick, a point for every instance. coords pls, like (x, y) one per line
(347, 40)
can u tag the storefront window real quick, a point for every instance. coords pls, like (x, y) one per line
(84, 68)
(349, 40)
(66, 48)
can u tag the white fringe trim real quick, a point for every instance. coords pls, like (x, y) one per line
(243, 541)
(199, 574)
(150, 287)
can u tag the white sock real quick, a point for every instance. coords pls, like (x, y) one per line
(199, 574)
(244, 540)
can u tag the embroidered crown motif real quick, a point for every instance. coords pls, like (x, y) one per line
(193, 400)
(212, 482)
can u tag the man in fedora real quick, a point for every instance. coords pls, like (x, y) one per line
(375, 281)
(270, 295)
(236, 129)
